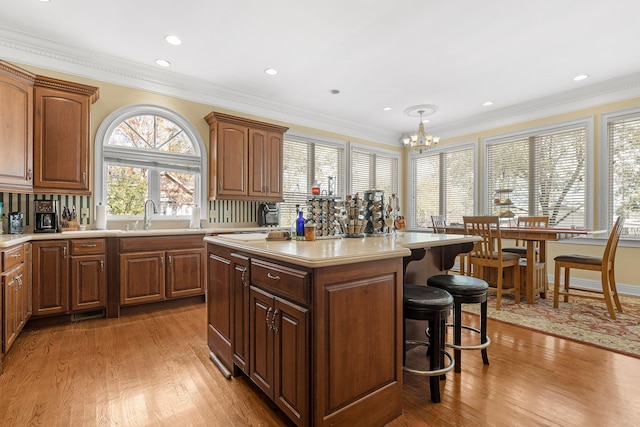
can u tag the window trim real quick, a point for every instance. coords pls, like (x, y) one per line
(411, 184)
(604, 222)
(587, 122)
(113, 120)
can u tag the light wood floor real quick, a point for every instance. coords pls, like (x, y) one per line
(152, 369)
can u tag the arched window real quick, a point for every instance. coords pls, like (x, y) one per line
(148, 152)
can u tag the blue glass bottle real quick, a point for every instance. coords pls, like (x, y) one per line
(300, 226)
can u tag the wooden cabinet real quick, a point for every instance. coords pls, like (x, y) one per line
(69, 276)
(245, 159)
(163, 273)
(16, 128)
(88, 274)
(16, 309)
(241, 271)
(265, 164)
(62, 135)
(50, 277)
(279, 352)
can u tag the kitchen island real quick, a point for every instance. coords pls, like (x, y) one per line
(317, 326)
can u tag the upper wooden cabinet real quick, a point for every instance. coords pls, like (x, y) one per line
(245, 159)
(61, 135)
(16, 128)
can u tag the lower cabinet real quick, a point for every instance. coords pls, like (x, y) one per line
(164, 273)
(69, 276)
(279, 359)
(15, 309)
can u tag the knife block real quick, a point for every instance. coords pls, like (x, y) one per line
(69, 225)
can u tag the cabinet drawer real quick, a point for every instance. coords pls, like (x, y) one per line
(281, 280)
(87, 246)
(12, 257)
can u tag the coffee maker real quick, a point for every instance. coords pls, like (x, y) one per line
(46, 220)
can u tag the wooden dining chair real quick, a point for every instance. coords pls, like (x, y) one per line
(487, 256)
(439, 224)
(605, 265)
(540, 275)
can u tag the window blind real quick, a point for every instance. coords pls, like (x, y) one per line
(370, 170)
(624, 173)
(545, 173)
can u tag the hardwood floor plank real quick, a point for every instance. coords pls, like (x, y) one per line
(152, 368)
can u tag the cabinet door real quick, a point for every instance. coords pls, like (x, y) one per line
(273, 166)
(261, 340)
(50, 277)
(185, 273)
(61, 140)
(241, 280)
(16, 130)
(265, 164)
(142, 277)
(9, 305)
(291, 360)
(88, 282)
(220, 307)
(232, 159)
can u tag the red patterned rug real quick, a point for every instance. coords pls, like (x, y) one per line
(580, 319)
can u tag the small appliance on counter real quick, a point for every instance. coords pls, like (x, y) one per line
(46, 220)
(15, 223)
(268, 215)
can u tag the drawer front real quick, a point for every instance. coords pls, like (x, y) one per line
(87, 246)
(12, 257)
(282, 281)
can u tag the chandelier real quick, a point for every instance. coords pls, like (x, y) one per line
(420, 140)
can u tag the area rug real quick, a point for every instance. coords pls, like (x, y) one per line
(580, 319)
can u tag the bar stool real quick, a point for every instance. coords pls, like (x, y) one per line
(465, 290)
(431, 304)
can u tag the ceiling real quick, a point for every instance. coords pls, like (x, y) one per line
(377, 53)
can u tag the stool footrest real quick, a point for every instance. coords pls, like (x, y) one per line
(436, 372)
(468, 347)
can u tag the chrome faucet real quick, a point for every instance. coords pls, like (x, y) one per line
(147, 216)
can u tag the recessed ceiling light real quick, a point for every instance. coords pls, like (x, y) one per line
(487, 103)
(270, 71)
(335, 91)
(163, 62)
(386, 109)
(45, 1)
(580, 77)
(174, 40)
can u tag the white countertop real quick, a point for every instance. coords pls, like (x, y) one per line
(8, 240)
(324, 253)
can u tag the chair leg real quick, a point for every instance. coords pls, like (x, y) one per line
(483, 330)
(607, 294)
(567, 286)
(499, 279)
(516, 283)
(614, 290)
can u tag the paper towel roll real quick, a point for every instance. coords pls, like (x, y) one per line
(195, 218)
(101, 217)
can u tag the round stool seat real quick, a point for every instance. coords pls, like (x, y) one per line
(426, 299)
(458, 285)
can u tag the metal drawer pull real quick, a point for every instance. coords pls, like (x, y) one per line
(273, 321)
(271, 276)
(244, 272)
(18, 255)
(89, 246)
(267, 318)
(64, 253)
(101, 266)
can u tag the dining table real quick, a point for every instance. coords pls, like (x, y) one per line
(532, 235)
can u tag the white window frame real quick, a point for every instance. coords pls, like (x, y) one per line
(605, 221)
(113, 120)
(411, 202)
(587, 122)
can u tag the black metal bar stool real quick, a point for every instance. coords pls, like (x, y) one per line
(465, 290)
(433, 305)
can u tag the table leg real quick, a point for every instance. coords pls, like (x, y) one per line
(531, 260)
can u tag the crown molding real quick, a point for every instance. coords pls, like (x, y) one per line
(26, 49)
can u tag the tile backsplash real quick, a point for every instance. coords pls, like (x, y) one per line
(218, 212)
